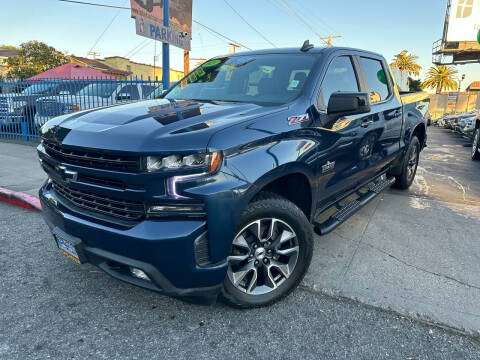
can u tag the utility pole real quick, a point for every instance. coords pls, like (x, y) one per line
(234, 47)
(166, 49)
(93, 54)
(328, 39)
(458, 92)
(186, 62)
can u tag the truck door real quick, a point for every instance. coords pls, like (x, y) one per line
(345, 142)
(382, 127)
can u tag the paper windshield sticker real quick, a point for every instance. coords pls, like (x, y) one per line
(294, 83)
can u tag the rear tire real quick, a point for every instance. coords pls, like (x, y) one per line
(270, 253)
(476, 145)
(409, 166)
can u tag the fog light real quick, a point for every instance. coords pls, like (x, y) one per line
(139, 274)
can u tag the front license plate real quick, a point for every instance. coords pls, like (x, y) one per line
(67, 248)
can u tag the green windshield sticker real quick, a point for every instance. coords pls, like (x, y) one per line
(211, 63)
(381, 77)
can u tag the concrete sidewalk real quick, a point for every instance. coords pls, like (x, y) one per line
(20, 170)
(413, 252)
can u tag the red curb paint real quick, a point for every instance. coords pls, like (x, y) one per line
(24, 200)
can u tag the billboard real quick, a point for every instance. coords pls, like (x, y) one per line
(149, 21)
(464, 20)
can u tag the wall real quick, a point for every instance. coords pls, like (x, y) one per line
(141, 70)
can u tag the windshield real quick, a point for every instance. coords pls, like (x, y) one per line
(37, 89)
(260, 79)
(104, 90)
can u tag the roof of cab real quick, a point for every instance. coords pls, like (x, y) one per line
(297, 50)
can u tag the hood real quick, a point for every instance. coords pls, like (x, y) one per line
(151, 126)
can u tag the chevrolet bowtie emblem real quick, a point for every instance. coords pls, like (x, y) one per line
(67, 175)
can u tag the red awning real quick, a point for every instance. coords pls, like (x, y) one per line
(72, 71)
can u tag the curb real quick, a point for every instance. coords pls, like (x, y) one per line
(24, 200)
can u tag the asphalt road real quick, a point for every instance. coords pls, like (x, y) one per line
(414, 253)
(52, 308)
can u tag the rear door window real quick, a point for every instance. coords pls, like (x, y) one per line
(131, 90)
(376, 78)
(340, 77)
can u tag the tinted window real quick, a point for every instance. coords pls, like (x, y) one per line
(377, 81)
(103, 90)
(261, 79)
(340, 77)
(40, 88)
(131, 90)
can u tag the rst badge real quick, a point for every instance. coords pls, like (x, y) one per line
(329, 166)
(297, 119)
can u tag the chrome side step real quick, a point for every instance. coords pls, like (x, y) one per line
(347, 210)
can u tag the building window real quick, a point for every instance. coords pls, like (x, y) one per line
(129, 68)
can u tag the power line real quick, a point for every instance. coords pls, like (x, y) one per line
(136, 47)
(127, 8)
(104, 31)
(223, 36)
(246, 22)
(95, 4)
(285, 5)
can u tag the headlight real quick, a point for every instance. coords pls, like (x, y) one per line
(210, 161)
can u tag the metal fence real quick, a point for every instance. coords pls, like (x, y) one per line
(25, 105)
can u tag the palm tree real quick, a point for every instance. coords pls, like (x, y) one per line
(441, 77)
(406, 62)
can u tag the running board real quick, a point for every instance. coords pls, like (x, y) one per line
(347, 210)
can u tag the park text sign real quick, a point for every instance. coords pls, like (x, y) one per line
(464, 20)
(161, 33)
(148, 16)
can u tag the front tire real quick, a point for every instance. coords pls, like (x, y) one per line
(409, 167)
(270, 253)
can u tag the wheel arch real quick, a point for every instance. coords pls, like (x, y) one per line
(294, 186)
(420, 132)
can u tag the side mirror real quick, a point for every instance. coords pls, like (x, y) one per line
(348, 103)
(123, 96)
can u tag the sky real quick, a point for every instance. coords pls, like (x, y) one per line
(383, 26)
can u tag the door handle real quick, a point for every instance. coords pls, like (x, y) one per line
(397, 113)
(366, 124)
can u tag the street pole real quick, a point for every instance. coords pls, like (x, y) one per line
(458, 92)
(166, 49)
(186, 62)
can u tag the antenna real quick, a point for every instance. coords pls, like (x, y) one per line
(306, 46)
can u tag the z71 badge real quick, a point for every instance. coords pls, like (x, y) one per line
(297, 119)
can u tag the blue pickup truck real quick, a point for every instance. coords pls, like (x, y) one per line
(215, 188)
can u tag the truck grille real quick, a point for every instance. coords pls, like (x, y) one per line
(117, 208)
(92, 159)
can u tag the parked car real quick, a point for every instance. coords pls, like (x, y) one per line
(475, 154)
(214, 188)
(18, 107)
(471, 125)
(93, 95)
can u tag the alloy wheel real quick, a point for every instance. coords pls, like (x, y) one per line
(264, 255)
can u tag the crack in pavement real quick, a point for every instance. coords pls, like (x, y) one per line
(347, 268)
(422, 269)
